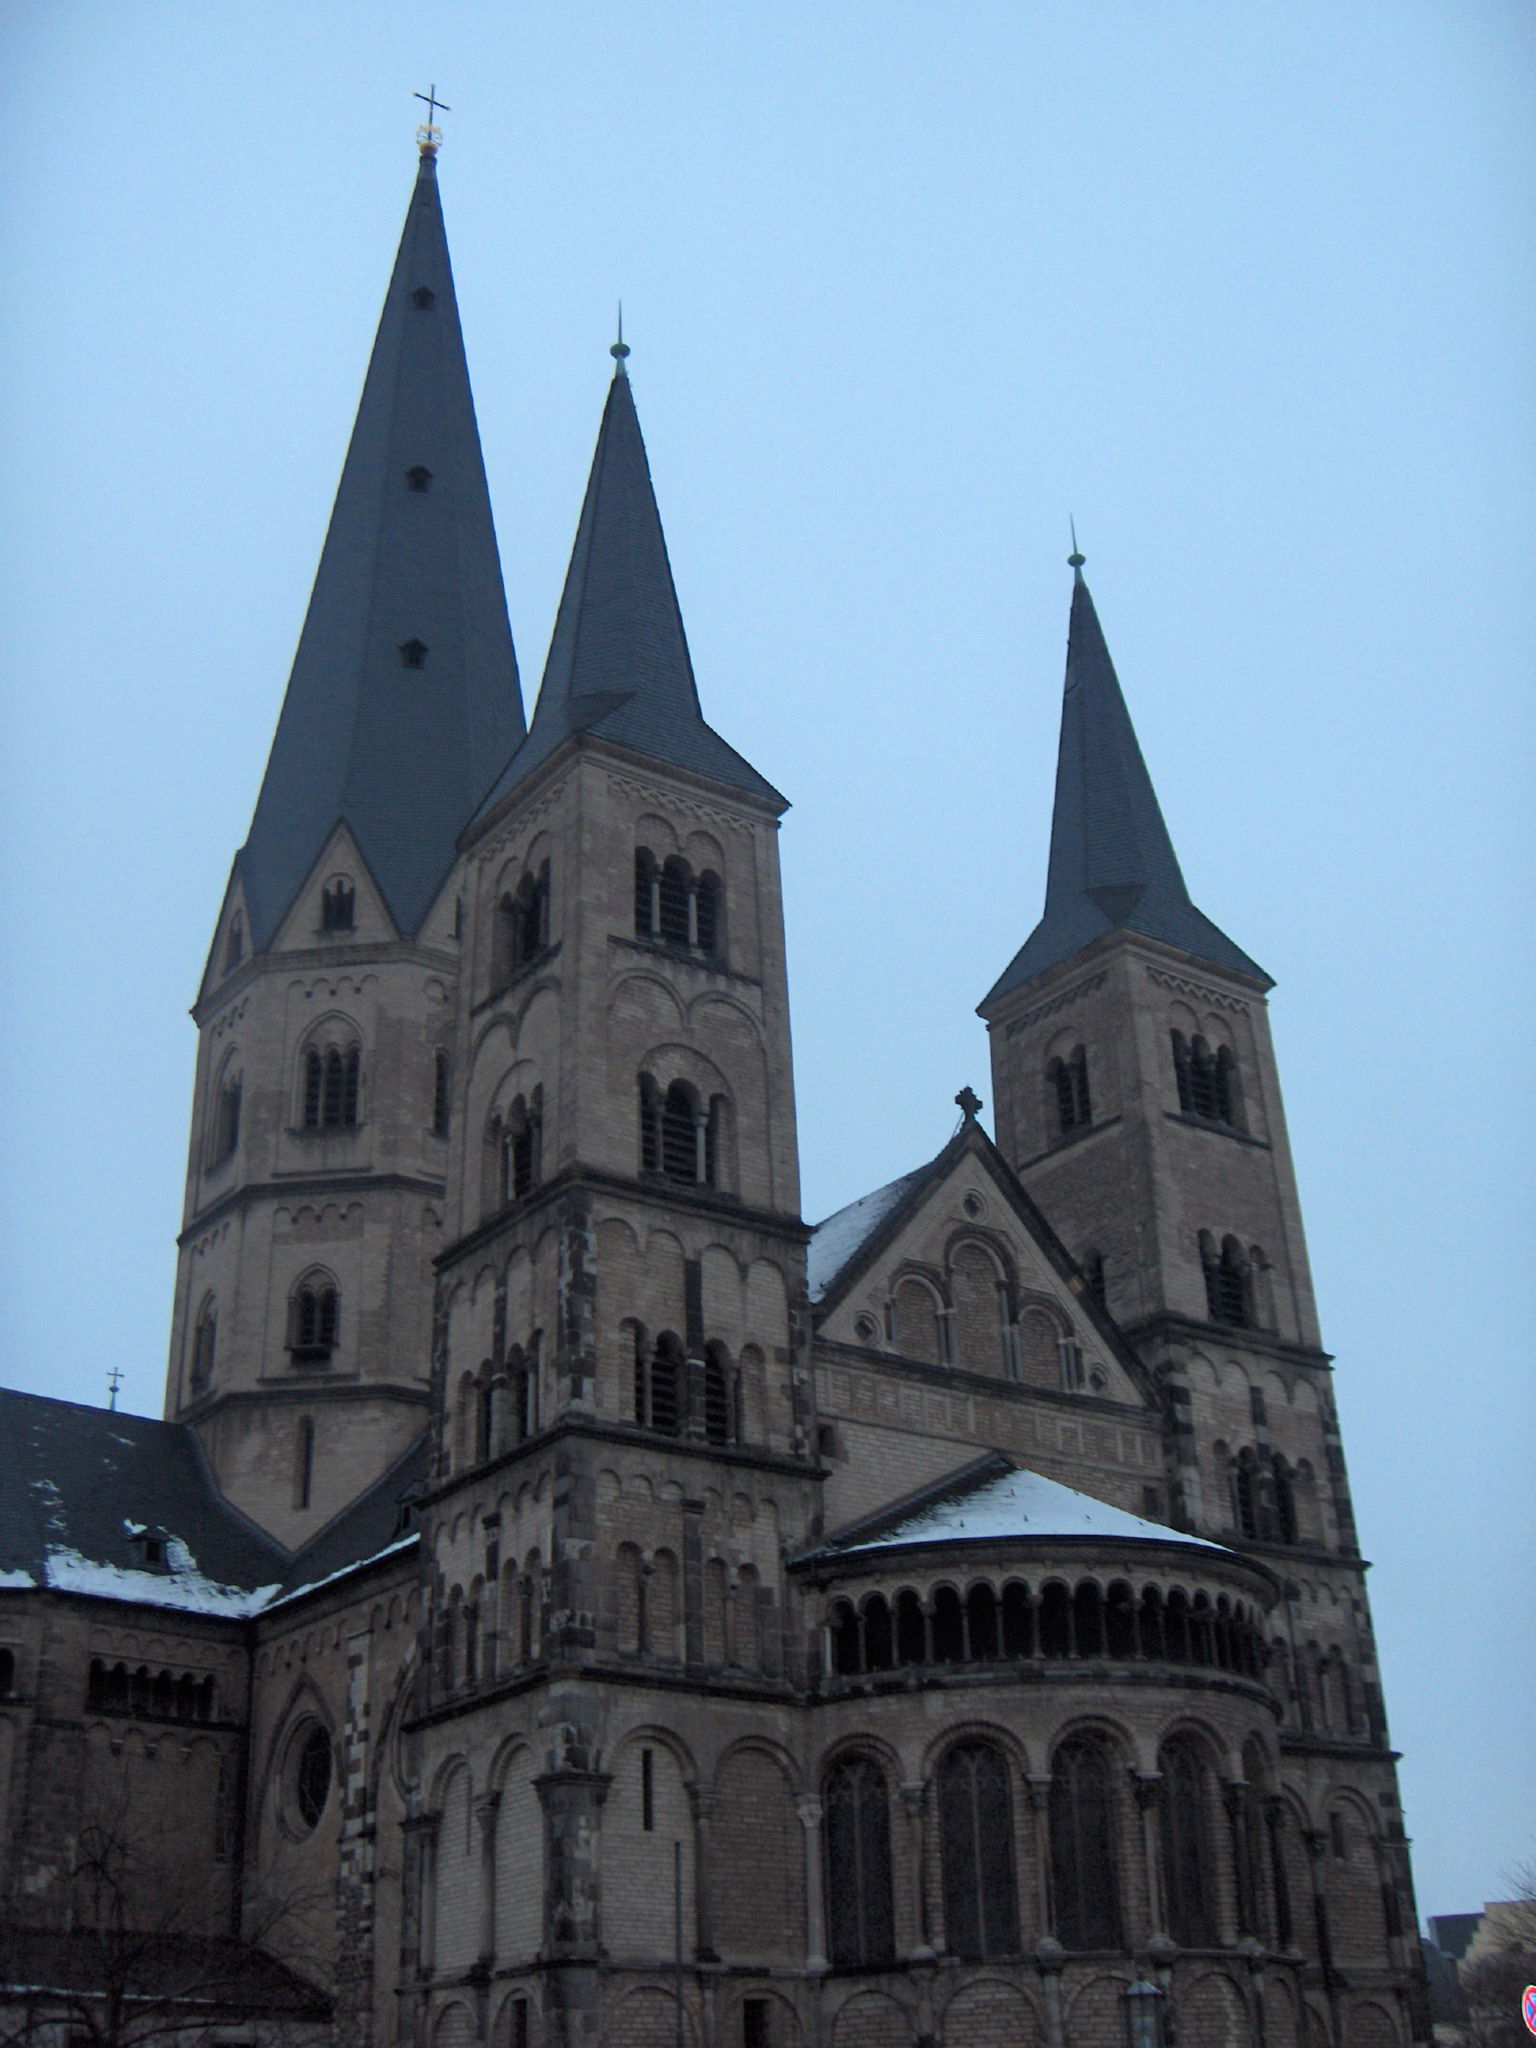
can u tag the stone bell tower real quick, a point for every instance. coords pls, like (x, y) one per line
(621, 1371)
(316, 1176)
(1138, 1098)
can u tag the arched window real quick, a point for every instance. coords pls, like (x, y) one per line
(860, 1923)
(440, 1072)
(1189, 1875)
(338, 901)
(205, 1337)
(226, 1115)
(679, 1138)
(522, 1147)
(1245, 1495)
(668, 1371)
(314, 1320)
(1207, 1080)
(1068, 1082)
(234, 943)
(304, 1462)
(522, 924)
(718, 1404)
(647, 904)
(1285, 1502)
(332, 1087)
(708, 896)
(1084, 1878)
(981, 1909)
(673, 902)
(1228, 1295)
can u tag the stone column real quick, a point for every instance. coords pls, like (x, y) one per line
(1039, 1790)
(1148, 1787)
(1235, 1798)
(1048, 1961)
(810, 1810)
(1274, 1825)
(702, 1801)
(914, 1799)
(571, 1793)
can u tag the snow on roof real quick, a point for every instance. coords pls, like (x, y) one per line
(834, 1242)
(1017, 1503)
(181, 1585)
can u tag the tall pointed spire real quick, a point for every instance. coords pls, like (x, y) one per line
(1112, 865)
(403, 703)
(618, 661)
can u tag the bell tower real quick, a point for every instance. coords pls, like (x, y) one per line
(1138, 1098)
(316, 1179)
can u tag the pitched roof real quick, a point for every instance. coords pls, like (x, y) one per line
(77, 1484)
(403, 754)
(991, 1499)
(836, 1242)
(376, 1524)
(618, 661)
(1112, 863)
(191, 1977)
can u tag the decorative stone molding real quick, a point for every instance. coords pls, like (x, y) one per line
(1064, 1001)
(1197, 989)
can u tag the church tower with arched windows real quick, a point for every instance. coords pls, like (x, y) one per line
(942, 1625)
(317, 1170)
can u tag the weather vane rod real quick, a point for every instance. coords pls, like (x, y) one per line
(429, 137)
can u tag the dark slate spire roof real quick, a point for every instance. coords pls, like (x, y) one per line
(1113, 866)
(618, 658)
(401, 754)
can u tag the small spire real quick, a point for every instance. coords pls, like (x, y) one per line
(429, 137)
(1077, 558)
(114, 1381)
(620, 348)
(968, 1102)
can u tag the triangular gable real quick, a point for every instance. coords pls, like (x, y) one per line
(301, 926)
(225, 956)
(912, 1228)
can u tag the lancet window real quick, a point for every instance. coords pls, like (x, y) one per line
(226, 1115)
(314, 1320)
(332, 1087)
(521, 1146)
(205, 1337)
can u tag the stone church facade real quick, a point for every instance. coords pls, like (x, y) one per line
(570, 1601)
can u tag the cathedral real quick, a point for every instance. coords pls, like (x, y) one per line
(572, 1601)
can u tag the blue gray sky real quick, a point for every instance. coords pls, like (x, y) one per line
(1247, 290)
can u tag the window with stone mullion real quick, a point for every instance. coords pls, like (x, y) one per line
(1083, 1877)
(860, 1922)
(1188, 1876)
(981, 1916)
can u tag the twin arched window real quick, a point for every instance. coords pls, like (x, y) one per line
(662, 1390)
(314, 1320)
(679, 1134)
(1207, 1081)
(522, 924)
(675, 905)
(857, 1823)
(332, 1087)
(1067, 1080)
(338, 903)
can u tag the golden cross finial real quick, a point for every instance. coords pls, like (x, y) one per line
(429, 137)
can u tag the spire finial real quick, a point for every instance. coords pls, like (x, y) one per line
(620, 348)
(1077, 558)
(429, 137)
(114, 1381)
